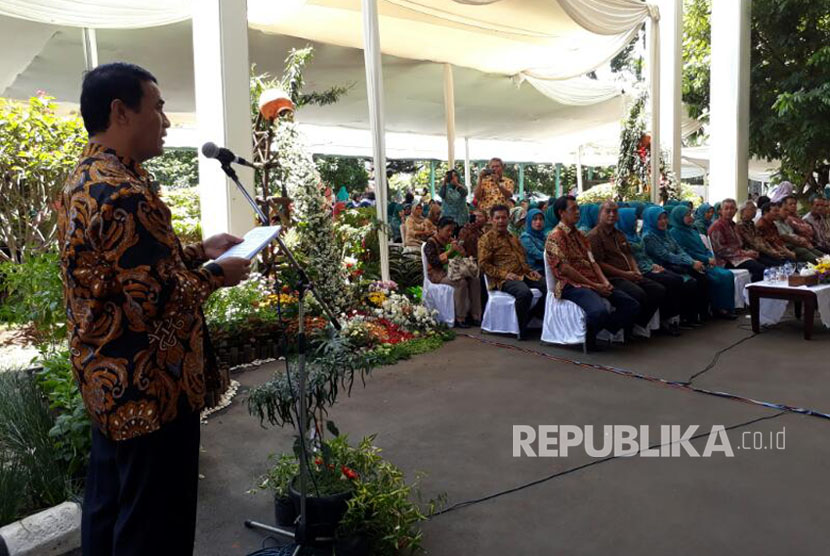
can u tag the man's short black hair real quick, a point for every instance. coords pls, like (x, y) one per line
(787, 198)
(499, 208)
(107, 83)
(762, 200)
(768, 207)
(445, 221)
(561, 205)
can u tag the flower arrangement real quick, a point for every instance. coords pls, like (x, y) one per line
(822, 268)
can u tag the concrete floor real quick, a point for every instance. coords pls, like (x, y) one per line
(450, 414)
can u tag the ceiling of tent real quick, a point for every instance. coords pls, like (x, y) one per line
(488, 106)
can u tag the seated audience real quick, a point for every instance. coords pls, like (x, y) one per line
(533, 240)
(778, 233)
(588, 215)
(434, 214)
(467, 295)
(417, 229)
(472, 231)
(721, 281)
(518, 215)
(727, 245)
(502, 258)
(611, 251)
(762, 200)
(751, 238)
(579, 278)
(665, 251)
(819, 219)
(702, 218)
(789, 209)
(680, 293)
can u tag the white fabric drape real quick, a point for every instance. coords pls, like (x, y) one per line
(449, 113)
(579, 91)
(607, 17)
(374, 88)
(99, 14)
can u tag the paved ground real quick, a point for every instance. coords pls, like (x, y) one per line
(450, 413)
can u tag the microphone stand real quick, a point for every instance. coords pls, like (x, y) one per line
(305, 284)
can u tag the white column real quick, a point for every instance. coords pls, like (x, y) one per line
(374, 89)
(467, 163)
(671, 73)
(579, 169)
(729, 100)
(654, 84)
(90, 42)
(449, 111)
(221, 71)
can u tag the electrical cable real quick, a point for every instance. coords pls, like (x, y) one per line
(717, 355)
(558, 474)
(682, 385)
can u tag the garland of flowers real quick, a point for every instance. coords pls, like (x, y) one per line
(314, 223)
(634, 162)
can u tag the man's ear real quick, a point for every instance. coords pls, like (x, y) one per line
(118, 113)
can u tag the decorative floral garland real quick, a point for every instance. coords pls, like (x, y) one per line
(315, 226)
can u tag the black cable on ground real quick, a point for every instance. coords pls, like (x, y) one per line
(558, 474)
(717, 355)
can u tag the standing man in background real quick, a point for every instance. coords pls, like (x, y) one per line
(137, 336)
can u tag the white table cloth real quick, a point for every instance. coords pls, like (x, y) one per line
(771, 310)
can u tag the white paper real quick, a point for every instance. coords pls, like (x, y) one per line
(254, 242)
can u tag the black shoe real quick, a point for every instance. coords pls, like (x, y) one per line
(473, 322)
(461, 324)
(671, 330)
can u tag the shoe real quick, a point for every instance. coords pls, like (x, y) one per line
(671, 330)
(461, 324)
(473, 322)
(727, 315)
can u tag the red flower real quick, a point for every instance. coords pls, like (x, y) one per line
(349, 473)
(318, 462)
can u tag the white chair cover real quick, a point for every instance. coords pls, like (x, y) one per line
(500, 313)
(437, 296)
(653, 324)
(564, 321)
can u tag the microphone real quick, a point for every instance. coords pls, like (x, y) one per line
(223, 155)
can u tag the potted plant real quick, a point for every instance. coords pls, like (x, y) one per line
(278, 480)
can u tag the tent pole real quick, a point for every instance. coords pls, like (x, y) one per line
(449, 112)
(467, 162)
(374, 88)
(90, 42)
(654, 62)
(521, 180)
(432, 179)
(558, 190)
(579, 184)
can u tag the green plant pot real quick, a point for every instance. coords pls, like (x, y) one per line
(284, 511)
(355, 545)
(323, 512)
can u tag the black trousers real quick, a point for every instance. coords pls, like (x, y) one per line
(597, 315)
(755, 268)
(679, 298)
(647, 293)
(520, 289)
(769, 261)
(141, 493)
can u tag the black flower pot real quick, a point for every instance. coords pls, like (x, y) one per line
(323, 513)
(356, 545)
(284, 511)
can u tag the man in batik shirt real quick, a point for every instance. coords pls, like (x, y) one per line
(493, 188)
(137, 335)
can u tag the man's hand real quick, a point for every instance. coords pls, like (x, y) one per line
(603, 288)
(632, 276)
(711, 262)
(218, 244)
(234, 269)
(511, 276)
(534, 275)
(698, 266)
(657, 268)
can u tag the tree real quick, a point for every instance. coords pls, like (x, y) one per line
(175, 169)
(789, 87)
(38, 150)
(337, 171)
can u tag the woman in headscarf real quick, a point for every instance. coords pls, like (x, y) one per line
(417, 229)
(664, 250)
(702, 218)
(721, 281)
(782, 191)
(588, 216)
(434, 213)
(518, 215)
(393, 215)
(454, 195)
(681, 293)
(533, 240)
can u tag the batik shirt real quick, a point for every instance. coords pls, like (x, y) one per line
(490, 195)
(566, 245)
(821, 227)
(133, 299)
(500, 255)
